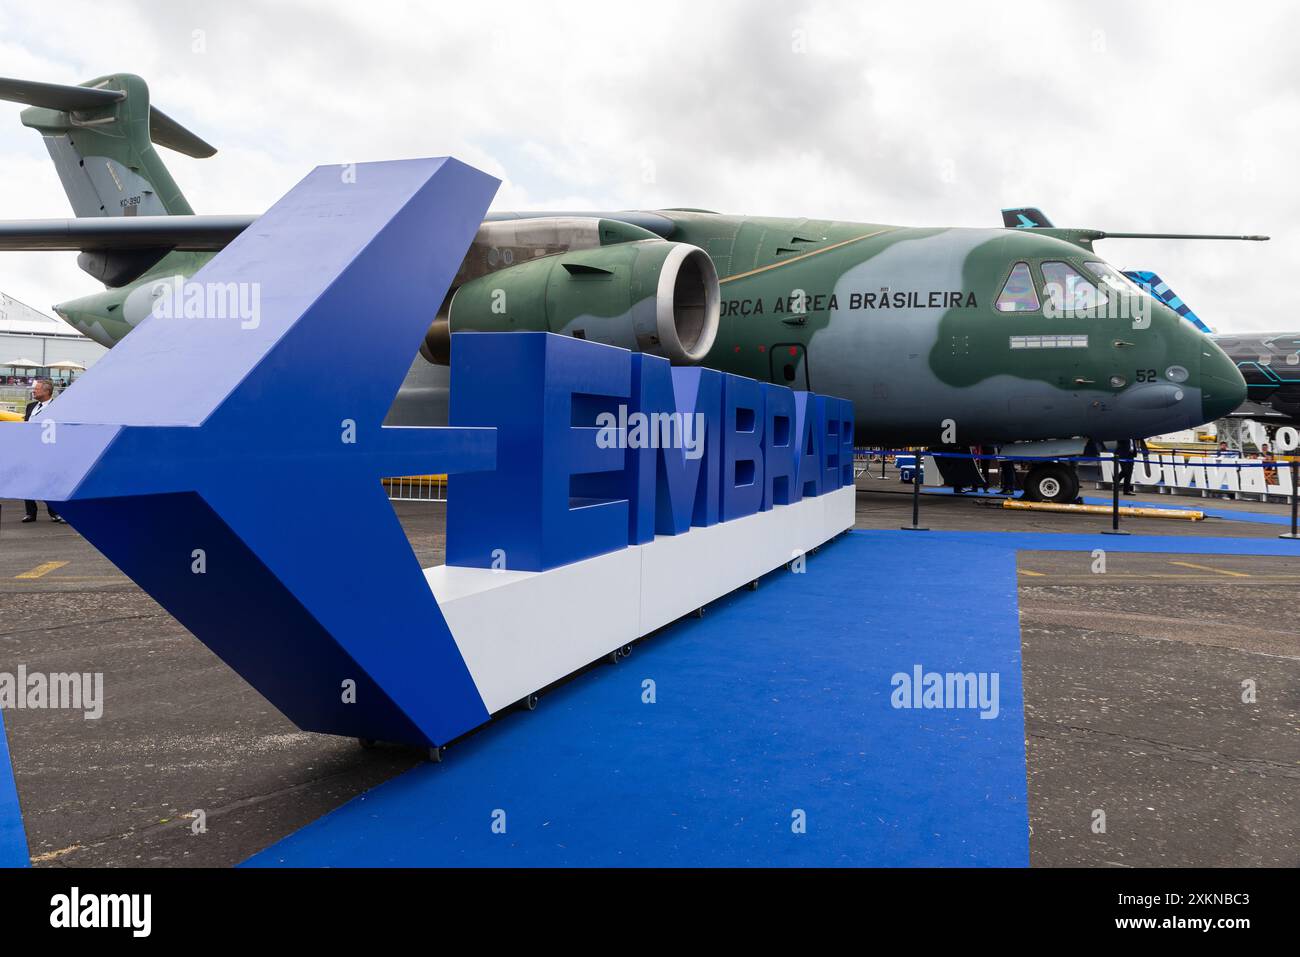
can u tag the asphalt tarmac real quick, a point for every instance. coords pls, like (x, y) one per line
(1133, 689)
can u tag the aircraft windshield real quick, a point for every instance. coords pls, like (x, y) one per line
(1067, 290)
(1113, 278)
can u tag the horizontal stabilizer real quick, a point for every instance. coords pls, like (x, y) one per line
(56, 96)
(165, 131)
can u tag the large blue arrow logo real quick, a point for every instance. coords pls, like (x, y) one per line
(227, 455)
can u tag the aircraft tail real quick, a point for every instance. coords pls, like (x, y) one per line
(1025, 217)
(101, 136)
(1159, 290)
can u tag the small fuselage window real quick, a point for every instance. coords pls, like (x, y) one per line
(1067, 292)
(1018, 295)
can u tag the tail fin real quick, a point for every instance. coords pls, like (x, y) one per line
(1159, 290)
(101, 136)
(1025, 217)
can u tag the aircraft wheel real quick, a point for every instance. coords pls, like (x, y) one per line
(1055, 483)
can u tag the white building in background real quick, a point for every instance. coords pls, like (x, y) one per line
(30, 336)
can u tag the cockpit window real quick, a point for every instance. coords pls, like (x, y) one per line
(1113, 278)
(1068, 293)
(1018, 295)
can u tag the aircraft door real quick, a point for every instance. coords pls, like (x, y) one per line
(790, 365)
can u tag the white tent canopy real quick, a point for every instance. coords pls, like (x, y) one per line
(23, 364)
(67, 364)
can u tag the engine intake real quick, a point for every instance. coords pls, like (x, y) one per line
(650, 296)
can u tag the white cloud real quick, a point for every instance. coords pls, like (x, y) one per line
(1170, 116)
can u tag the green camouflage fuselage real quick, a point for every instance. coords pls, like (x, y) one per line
(902, 321)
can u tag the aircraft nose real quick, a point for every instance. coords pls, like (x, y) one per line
(1222, 387)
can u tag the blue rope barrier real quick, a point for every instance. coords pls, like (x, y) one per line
(1139, 457)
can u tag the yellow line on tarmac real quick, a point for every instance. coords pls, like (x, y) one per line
(1026, 571)
(1207, 568)
(40, 570)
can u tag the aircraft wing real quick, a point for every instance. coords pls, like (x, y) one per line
(193, 233)
(123, 232)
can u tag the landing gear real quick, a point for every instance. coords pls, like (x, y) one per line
(1052, 482)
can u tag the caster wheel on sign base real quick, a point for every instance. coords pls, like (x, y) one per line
(435, 754)
(530, 703)
(753, 586)
(699, 612)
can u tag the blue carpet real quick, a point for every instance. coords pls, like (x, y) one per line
(13, 839)
(776, 702)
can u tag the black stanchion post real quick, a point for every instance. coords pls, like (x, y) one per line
(1114, 507)
(1295, 470)
(916, 498)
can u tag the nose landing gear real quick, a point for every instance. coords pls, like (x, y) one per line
(1052, 482)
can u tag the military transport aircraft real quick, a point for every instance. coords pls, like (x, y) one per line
(938, 335)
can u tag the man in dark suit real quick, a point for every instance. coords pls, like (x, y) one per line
(1126, 450)
(42, 395)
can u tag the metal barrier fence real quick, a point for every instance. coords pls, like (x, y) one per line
(1107, 464)
(14, 398)
(416, 488)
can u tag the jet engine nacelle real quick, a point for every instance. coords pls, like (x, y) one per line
(649, 296)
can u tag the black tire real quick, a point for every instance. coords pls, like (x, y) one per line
(1052, 482)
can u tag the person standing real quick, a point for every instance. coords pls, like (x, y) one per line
(42, 395)
(1125, 452)
(1007, 484)
(1270, 464)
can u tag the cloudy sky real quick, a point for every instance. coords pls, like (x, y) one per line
(1172, 116)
